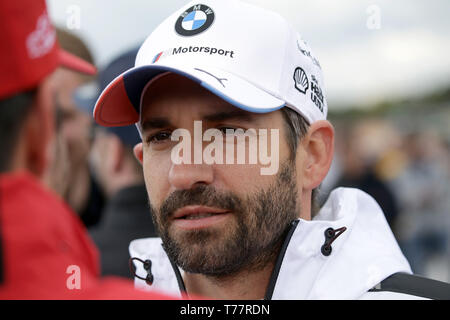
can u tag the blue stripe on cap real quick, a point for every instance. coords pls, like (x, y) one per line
(237, 104)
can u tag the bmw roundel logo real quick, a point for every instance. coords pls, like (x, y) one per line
(194, 20)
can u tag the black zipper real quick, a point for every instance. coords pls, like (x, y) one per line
(180, 281)
(276, 270)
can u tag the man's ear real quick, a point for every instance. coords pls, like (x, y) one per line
(39, 130)
(139, 152)
(318, 146)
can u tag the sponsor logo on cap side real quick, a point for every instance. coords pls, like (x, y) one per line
(316, 93)
(194, 20)
(301, 80)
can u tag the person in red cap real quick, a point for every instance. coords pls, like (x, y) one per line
(45, 252)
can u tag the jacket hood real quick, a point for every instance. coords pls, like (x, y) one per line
(361, 257)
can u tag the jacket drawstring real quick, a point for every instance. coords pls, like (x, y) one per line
(149, 278)
(330, 235)
(147, 266)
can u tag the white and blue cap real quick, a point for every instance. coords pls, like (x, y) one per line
(246, 55)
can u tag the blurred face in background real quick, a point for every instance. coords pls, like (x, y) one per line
(75, 125)
(68, 173)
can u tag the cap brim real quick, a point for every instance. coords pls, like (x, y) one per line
(74, 63)
(119, 103)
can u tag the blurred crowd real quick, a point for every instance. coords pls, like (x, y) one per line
(406, 171)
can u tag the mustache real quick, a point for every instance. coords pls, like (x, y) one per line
(203, 195)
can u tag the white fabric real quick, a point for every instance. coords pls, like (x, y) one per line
(364, 255)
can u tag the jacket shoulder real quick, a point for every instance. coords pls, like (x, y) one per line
(408, 286)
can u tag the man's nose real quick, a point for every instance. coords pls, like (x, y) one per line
(187, 176)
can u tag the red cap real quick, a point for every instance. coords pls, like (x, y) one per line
(29, 48)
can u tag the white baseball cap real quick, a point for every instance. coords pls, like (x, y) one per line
(246, 55)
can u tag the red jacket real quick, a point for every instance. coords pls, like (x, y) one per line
(46, 251)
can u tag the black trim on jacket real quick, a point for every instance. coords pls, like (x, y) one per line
(276, 270)
(415, 285)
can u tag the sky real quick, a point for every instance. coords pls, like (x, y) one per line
(370, 51)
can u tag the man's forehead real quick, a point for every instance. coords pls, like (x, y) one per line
(218, 113)
(201, 106)
(174, 91)
(207, 111)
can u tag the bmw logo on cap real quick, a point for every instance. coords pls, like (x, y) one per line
(194, 20)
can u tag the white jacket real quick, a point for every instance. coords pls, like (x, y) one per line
(361, 257)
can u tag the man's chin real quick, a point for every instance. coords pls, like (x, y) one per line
(202, 250)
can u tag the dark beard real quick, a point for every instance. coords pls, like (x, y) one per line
(260, 222)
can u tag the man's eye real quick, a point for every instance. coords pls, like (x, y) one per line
(225, 128)
(159, 137)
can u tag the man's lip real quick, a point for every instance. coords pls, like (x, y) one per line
(195, 209)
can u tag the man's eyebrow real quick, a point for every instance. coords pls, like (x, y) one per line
(155, 123)
(228, 115)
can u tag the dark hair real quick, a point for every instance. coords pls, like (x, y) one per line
(297, 127)
(73, 44)
(13, 111)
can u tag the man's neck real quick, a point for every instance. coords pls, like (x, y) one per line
(245, 285)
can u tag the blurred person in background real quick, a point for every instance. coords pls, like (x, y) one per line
(46, 252)
(71, 175)
(126, 213)
(361, 147)
(424, 193)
